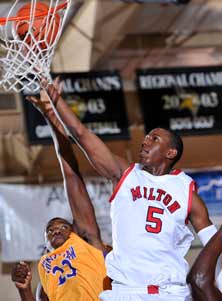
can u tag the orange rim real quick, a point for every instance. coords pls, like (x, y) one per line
(22, 18)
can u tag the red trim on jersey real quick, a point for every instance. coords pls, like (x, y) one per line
(192, 188)
(125, 174)
(152, 289)
(175, 172)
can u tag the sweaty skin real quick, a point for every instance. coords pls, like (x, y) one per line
(202, 274)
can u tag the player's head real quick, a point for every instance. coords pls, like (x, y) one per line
(177, 143)
(161, 146)
(58, 231)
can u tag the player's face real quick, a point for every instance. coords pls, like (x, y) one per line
(58, 231)
(154, 148)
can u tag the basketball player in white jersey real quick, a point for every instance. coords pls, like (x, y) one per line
(150, 207)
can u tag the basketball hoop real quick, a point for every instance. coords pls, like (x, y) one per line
(28, 36)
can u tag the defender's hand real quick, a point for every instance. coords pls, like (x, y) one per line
(21, 275)
(42, 103)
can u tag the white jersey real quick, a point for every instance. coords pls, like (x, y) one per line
(150, 236)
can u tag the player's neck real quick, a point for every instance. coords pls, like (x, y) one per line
(157, 170)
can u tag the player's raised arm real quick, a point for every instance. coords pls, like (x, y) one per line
(202, 274)
(80, 203)
(102, 159)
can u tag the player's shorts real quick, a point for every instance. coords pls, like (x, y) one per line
(121, 292)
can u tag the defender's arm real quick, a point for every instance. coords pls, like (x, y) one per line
(202, 274)
(80, 203)
(102, 159)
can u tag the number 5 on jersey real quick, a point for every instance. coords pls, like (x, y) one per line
(154, 223)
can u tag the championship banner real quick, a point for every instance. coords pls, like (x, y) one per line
(26, 209)
(186, 100)
(96, 98)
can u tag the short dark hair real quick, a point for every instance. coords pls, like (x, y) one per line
(57, 218)
(177, 143)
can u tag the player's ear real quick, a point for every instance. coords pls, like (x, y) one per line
(171, 153)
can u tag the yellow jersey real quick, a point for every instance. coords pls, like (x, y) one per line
(74, 271)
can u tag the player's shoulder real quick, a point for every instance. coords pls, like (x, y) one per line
(47, 256)
(42, 259)
(182, 175)
(129, 169)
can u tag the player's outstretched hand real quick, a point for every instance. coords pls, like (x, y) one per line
(49, 91)
(53, 90)
(21, 275)
(43, 103)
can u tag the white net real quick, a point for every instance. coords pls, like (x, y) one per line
(28, 38)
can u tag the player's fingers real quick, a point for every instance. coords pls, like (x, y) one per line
(18, 279)
(44, 83)
(45, 98)
(53, 93)
(56, 82)
(20, 267)
(21, 285)
(28, 277)
(26, 265)
(21, 272)
(18, 285)
(43, 94)
(23, 263)
(60, 87)
(32, 99)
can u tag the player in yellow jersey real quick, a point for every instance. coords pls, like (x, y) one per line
(74, 267)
